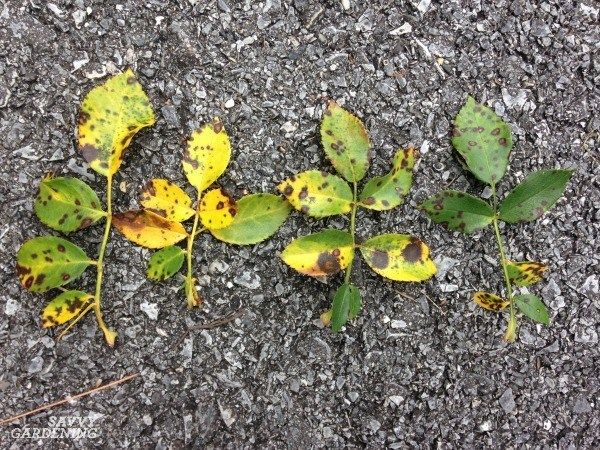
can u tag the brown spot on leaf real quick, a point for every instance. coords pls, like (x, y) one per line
(369, 201)
(328, 263)
(40, 278)
(495, 132)
(85, 223)
(303, 193)
(379, 259)
(89, 152)
(28, 282)
(502, 142)
(22, 270)
(412, 252)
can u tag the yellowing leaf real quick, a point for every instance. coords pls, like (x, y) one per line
(491, 302)
(388, 191)
(148, 229)
(167, 200)
(111, 114)
(399, 257)
(318, 194)
(524, 273)
(320, 254)
(47, 262)
(217, 209)
(207, 155)
(67, 204)
(65, 307)
(346, 142)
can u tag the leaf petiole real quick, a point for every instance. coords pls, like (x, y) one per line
(511, 329)
(190, 285)
(352, 232)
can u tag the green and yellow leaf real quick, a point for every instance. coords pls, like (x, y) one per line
(524, 273)
(67, 204)
(217, 209)
(346, 305)
(207, 155)
(165, 263)
(388, 191)
(111, 114)
(318, 194)
(167, 200)
(258, 217)
(491, 302)
(346, 142)
(47, 262)
(148, 229)
(532, 307)
(65, 307)
(320, 254)
(459, 211)
(399, 257)
(535, 195)
(483, 139)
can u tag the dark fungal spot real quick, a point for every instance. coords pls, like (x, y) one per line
(83, 117)
(130, 80)
(412, 252)
(89, 152)
(456, 132)
(220, 205)
(65, 276)
(478, 130)
(328, 263)
(502, 142)
(40, 278)
(61, 248)
(495, 132)
(472, 143)
(369, 201)
(85, 223)
(305, 209)
(385, 203)
(48, 259)
(28, 282)
(379, 259)
(303, 193)
(22, 270)
(232, 211)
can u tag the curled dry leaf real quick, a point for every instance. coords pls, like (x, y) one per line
(65, 307)
(491, 302)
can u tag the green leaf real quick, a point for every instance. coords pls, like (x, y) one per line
(258, 217)
(399, 257)
(532, 307)
(111, 114)
(165, 263)
(458, 211)
(524, 273)
(388, 191)
(67, 204)
(65, 307)
(534, 196)
(318, 194)
(47, 262)
(483, 139)
(346, 305)
(320, 254)
(346, 142)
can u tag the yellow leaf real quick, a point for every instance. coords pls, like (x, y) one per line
(217, 209)
(488, 301)
(524, 273)
(65, 307)
(148, 229)
(111, 114)
(399, 257)
(167, 200)
(207, 155)
(320, 254)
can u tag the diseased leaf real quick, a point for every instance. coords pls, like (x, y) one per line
(318, 194)
(258, 217)
(459, 211)
(207, 155)
(167, 200)
(399, 257)
(165, 263)
(148, 229)
(483, 139)
(535, 195)
(217, 209)
(111, 114)
(388, 191)
(524, 273)
(67, 204)
(532, 307)
(47, 262)
(65, 307)
(320, 254)
(346, 142)
(346, 304)
(491, 302)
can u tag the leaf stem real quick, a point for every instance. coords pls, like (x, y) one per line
(352, 232)
(189, 279)
(109, 334)
(512, 320)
